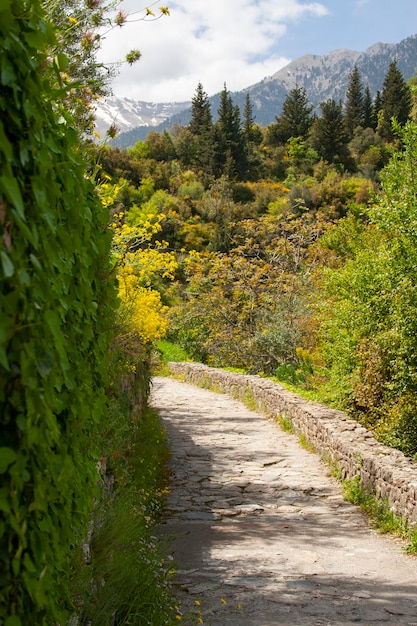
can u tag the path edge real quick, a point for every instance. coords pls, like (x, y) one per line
(341, 441)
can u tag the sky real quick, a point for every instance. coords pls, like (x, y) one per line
(240, 42)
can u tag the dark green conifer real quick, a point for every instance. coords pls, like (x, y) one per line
(252, 136)
(396, 101)
(376, 109)
(367, 108)
(201, 119)
(354, 107)
(328, 134)
(296, 119)
(230, 157)
(248, 121)
(202, 128)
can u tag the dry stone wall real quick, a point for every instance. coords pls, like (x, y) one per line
(386, 472)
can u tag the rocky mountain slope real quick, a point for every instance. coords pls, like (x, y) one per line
(323, 77)
(127, 113)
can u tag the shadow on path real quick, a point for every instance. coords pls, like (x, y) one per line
(259, 532)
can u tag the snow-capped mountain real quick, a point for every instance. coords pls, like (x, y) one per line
(323, 77)
(127, 113)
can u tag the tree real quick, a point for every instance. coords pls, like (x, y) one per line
(252, 136)
(295, 120)
(201, 127)
(201, 119)
(248, 120)
(160, 146)
(328, 134)
(396, 101)
(80, 27)
(230, 157)
(376, 110)
(354, 107)
(370, 327)
(367, 108)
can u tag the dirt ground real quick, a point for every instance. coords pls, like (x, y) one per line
(258, 530)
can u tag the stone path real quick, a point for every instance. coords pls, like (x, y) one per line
(258, 530)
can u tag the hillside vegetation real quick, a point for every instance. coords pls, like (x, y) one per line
(288, 250)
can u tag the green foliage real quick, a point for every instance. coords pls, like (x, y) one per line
(171, 352)
(54, 318)
(296, 119)
(280, 253)
(125, 579)
(242, 308)
(369, 326)
(75, 48)
(396, 102)
(354, 110)
(286, 424)
(379, 513)
(288, 373)
(328, 135)
(201, 119)
(230, 158)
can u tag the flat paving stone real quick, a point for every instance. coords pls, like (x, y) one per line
(267, 540)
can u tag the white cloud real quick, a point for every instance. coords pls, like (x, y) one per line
(211, 41)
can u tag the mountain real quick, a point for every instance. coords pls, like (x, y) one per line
(127, 113)
(323, 77)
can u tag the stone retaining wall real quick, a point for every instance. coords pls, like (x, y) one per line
(385, 471)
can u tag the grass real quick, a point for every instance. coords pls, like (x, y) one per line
(250, 401)
(306, 443)
(285, 424)
(167, 352)
(171, 352)
(126, 580)
(379, 513)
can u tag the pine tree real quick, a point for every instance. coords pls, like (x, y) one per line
(201, 119)
(376, 109)
(367, 108)
(328, 134)
(252, 136)
(202, 128)
(295, 120)
(230, 157)
(248, 120)
(354, 108)
(396, 101)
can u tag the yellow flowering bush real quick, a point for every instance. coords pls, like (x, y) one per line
(141, 309)
(141, 270)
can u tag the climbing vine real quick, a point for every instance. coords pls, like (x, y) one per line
(55, 312)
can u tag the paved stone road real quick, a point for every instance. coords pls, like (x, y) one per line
(259, 532)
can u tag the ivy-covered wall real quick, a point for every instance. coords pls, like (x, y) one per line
(55, 314)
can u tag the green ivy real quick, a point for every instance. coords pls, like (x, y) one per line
(55, 315)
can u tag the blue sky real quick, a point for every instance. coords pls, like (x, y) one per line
(239, 42)
(351, 24)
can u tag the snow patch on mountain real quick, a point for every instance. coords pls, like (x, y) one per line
(127, 113)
